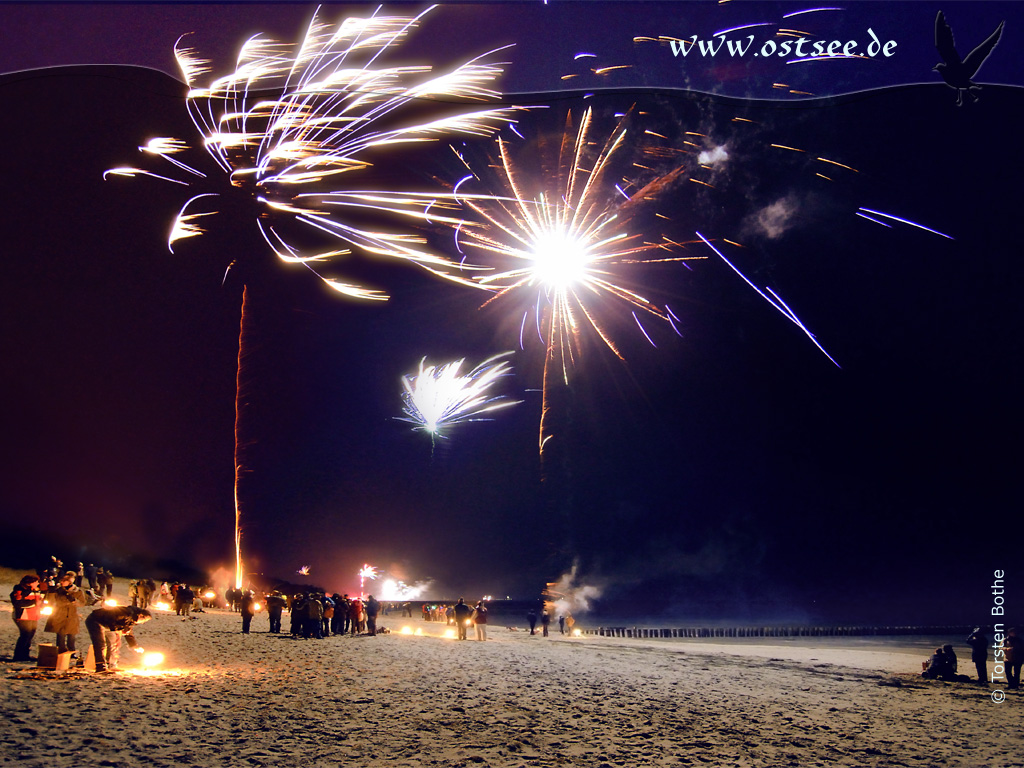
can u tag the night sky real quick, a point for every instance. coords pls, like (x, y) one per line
(730, 472)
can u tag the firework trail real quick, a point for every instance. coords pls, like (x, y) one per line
(562, 241)
(296, 130)
(366, 572)
(438, 397)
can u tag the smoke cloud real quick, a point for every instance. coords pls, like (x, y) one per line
(774, 220)
(569, 596)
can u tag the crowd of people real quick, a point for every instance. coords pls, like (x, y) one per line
(1008, 654)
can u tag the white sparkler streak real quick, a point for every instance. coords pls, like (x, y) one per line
(872, 218)
(810, 10)
(744, 26)
(439, 397)
(644, 331)
(774, 300)
(132, 172)
(906, 221)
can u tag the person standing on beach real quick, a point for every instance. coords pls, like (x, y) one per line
(979, 653)
(91, 573)
(480, 620)
(27, 601)
(461, 613)
(248, 611)
(372, 609)
(66, 598)
(545, 621)
(531, 617)
(275, 607)
(1013, 654)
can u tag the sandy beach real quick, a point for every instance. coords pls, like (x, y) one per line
(224, 698)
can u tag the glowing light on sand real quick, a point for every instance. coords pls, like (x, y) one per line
(406, 630)
(209, 595)
(438, 397)
(162, 606)
(577, 633)
(562, 242)
(152, 659)
(47, 610)
(110, 603)
(297, 129)
(449, 634)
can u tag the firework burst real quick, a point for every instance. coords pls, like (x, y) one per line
(298, 131)
(438, 397)
(299, 127)
(565, 242)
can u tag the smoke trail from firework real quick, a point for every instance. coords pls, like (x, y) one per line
(438, 397)
(564, 243)
(298, 128)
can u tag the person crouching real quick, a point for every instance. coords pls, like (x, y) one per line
(107, 627)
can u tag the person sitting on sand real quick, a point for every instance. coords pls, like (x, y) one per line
(107, 626)
(940, 666)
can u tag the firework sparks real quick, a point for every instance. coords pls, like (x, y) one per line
(567, 247)
(297, 128)
(303, 571)
(438, 397)
(366, 572)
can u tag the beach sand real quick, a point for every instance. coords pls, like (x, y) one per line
(516, 700)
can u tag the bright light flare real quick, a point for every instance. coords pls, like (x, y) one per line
(110, 603)
(438, 397)
(563, 241)
(152, 659)
(449, 634)
(47, 610)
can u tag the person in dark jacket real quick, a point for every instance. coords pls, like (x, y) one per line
(248, 610)
(480, 620)
(65, 599)
(27, 601)
(979, 653)
(462, 612)
(372, 609)
(275, 607)
(940, 666)
(107, 627)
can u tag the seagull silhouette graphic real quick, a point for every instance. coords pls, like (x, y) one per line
(956, 72)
